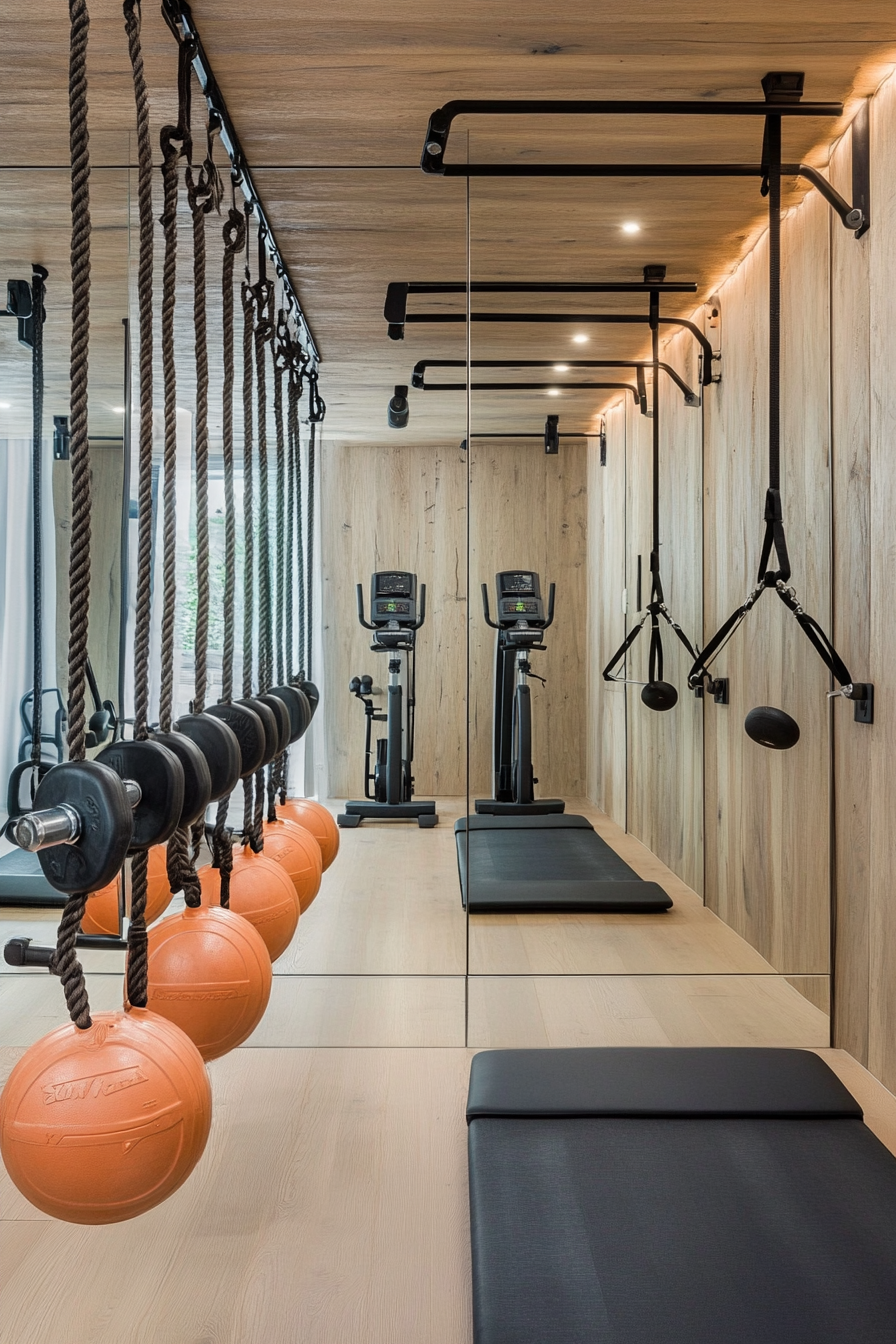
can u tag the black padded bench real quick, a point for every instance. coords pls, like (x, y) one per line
(676, 1196)
(547, 863)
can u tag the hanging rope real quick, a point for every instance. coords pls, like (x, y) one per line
(137, 964)
(176, 143)
(234, 239)
(264, 328)
(251, 835)
(38, 277)
(295, 392)
(65, 962)
(280, 350)
(309, 549)
(204, 193)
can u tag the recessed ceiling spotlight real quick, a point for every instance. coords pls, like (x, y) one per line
(118, 410)
(5, 406)
(580, 338)
(561, 368)
(553, 391)
(631, 227)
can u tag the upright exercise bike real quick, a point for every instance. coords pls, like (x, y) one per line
(520, 625)
(395, 620)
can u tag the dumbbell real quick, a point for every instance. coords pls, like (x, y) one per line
(282, 717)
(311, 692)
(269, 723)
(197, 775)
(89, 815)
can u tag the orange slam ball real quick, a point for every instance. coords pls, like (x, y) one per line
(209, 974)
(101, 915)
(100, 1125)
(316, 819)
(298, 854)
(262, 893)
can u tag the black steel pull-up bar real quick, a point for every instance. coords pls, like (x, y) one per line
(787, 88)
(418, 377)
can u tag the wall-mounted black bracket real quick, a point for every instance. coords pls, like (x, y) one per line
(861, 167)
(418, 377)
(61, 438)
(718, 689)
(863, 710)
(179, 18)
(786, 90)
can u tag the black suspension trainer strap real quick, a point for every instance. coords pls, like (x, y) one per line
(656, 607)
(309, 544)
(234, 240)
(296, 392)
(774, 539)
(38, 276)
(137, 964)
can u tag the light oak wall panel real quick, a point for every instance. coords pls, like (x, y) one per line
(528, 510)
(400, 507)
(665, 750)
(851, 498)
(767, 841)
(606, 747)
(881, 782)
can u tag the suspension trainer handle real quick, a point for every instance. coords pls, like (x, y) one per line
(359, 590)
(422, 616)
(550, 620)
(485, 610)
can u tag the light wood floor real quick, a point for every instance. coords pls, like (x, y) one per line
(330, 1206)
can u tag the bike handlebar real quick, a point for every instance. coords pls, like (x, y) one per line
(488, 619)
(359, 589)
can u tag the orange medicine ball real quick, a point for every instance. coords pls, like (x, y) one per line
(101, 915)
(210, 974)
(316, 819)
(100, 1125)
(261, 892)
(298, 854)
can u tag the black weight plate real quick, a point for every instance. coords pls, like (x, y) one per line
(218, 744)
(160, 776)
(98, 796)
(249, 730)
(197, 776)
(268, 723)
(299, 710)
(312, 693)
(281, 714)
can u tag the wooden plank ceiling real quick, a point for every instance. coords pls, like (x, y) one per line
(331, 103)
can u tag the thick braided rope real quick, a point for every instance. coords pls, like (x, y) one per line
(137, 963)
(309, 561)
(248, 535)
(289, 633)
(37, 436)
(79, 564)
(300, 536)
(169, 493)
(142, 633)
(65, 963)
(278, 570)
(263, 332)
(234, 239)
(198, 201)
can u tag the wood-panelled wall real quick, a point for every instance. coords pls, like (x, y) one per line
(787, 834)
(530, 511)
(401, 507)
(406, 507)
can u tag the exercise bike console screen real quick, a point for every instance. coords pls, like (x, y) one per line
(393, 597)
(519, 597)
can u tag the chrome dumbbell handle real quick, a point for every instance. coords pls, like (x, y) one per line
(56, 825)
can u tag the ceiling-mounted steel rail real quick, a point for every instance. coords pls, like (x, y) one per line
(179, 17)
(788, 88)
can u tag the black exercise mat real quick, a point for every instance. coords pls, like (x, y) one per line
(547, 863)
(690, 1230)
